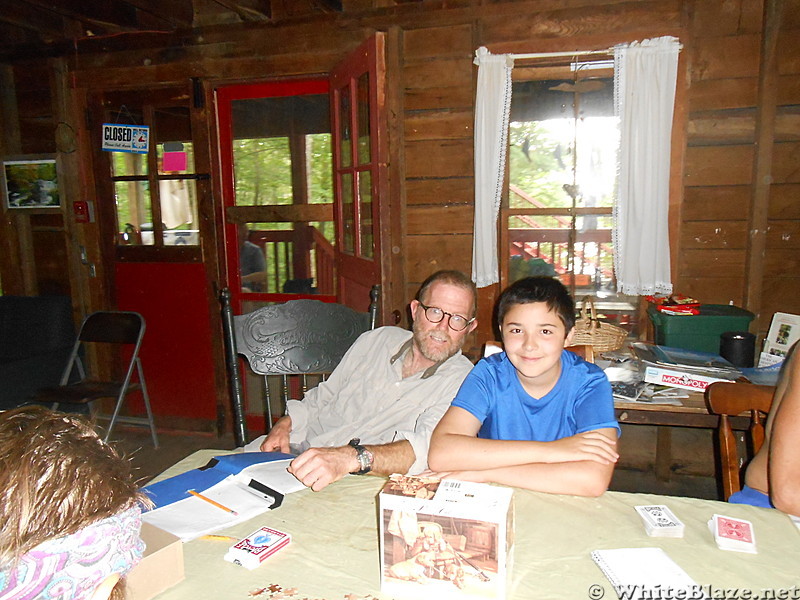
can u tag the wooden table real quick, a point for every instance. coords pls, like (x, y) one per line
(334, 549)
(692, 412)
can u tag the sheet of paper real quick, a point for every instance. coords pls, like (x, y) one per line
(274, 475)
(193, 517)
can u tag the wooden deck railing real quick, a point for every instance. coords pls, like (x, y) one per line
(299, 254)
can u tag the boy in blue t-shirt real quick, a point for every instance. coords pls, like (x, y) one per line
(535, 416)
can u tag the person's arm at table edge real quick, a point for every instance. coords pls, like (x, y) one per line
(454, 446)
(579, 478)
(394, 457)
(784, 450)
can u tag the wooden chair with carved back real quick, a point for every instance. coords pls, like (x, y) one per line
(729, 400)
(298, 341)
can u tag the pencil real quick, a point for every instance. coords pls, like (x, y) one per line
(214, 502)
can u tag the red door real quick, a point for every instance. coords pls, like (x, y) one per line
(359, 158)
(154, 239)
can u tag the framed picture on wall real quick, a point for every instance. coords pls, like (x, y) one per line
(31, 182)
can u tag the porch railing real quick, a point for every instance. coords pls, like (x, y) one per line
(301, 256)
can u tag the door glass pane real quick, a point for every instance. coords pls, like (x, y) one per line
(134, 213)
(179, 211)
(364, 153)
(128, 164)
(263, 171)
(348, 214)
(366, 232)
(318, 161)
(175, 158)
(345, 137)
(281, 258)
(282, 158)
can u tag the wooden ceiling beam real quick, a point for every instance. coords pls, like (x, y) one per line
(247, 13)
(328, 5)
(29, 17)
(111, 16)
(178, 13)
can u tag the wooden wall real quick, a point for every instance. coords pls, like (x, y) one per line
(735, 213)
(739, 222)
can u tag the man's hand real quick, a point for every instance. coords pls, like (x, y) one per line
(278, 438)
(318, 467)
(591, 445)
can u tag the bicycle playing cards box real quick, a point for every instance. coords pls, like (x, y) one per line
(445, 539)
(251, 551)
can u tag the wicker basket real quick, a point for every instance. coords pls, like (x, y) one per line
(603, 337)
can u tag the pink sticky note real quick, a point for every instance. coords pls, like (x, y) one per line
(174, 161)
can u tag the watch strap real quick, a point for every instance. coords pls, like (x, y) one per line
(363, 455)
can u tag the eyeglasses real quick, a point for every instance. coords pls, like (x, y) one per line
(435, 315)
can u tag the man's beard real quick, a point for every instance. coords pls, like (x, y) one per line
(432, 350)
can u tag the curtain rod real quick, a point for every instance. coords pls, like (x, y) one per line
(558, 54)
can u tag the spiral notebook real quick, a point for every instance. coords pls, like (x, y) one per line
(639, 573)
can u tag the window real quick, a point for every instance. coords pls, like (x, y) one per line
(175, 202)
(556, 217)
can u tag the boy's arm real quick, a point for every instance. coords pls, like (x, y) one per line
(455, 447)
(581, 478)
(784, 448)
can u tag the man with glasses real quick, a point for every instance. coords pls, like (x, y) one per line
(378, 409)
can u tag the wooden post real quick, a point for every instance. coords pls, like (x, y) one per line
(762, 165)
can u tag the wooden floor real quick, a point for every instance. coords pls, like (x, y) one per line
(135, 443)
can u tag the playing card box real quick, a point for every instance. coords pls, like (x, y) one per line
(660, 521)
(253, 550)
(445, 539)
(733, 534)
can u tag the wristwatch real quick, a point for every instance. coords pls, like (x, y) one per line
(364, 457)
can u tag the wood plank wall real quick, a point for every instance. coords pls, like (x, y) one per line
(727, 93)
(721, 111)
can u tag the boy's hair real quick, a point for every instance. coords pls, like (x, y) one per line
(538, 289)
(56, 477)
(452, 277)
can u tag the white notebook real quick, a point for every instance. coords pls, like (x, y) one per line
(640, 572)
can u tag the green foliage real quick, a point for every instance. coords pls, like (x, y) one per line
(534, 166)
(263, 171)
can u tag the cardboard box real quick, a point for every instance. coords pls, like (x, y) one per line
(679, 379)
(161, 566)
(448, 539)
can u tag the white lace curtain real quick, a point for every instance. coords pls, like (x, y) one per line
(492, 105)
(644, 98)
(645, 75)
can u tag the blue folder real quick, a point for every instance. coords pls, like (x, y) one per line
(218, 468)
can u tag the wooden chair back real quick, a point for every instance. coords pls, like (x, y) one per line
(299, 340)
(729, 400)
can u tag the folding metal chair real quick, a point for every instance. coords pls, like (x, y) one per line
(108, 328)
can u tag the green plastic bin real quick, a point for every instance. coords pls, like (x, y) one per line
(699, 332)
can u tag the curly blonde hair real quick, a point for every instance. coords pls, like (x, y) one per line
(56, 477)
